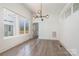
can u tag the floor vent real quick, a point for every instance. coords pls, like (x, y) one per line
(61, 46)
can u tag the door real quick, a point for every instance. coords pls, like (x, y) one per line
(35, 30)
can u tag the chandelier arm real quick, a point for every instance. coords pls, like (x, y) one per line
(40, 12)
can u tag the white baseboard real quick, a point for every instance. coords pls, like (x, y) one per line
(73, 52)
(48, 38)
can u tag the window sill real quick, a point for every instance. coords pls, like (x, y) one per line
(9, 37)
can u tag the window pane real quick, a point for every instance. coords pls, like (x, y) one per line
(8, 30)
(68, 12)
(21, 24)
(26, 26)
(75, 7)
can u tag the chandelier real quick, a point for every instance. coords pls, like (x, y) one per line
(40, 15)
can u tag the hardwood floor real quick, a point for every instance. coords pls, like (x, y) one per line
(36, 47)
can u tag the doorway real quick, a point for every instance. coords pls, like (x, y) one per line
(35, 30)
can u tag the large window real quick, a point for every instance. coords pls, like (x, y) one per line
(23, 25)
(75, 7)
(8, 30)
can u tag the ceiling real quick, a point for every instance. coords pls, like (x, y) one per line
(47, 8)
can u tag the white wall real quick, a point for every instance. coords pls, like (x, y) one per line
(47, 27)
(69, 33)
(8, 43)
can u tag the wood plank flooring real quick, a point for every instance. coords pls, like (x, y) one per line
(36, 47)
